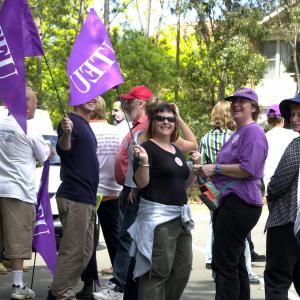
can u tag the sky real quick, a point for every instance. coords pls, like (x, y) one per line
(133, 17)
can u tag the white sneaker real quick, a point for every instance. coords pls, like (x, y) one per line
(108, 294)
(253, 278)
(110, 285)
(22, 293)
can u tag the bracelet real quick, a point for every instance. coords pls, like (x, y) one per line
(146, 165)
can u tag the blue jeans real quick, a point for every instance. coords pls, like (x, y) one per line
(127, 215)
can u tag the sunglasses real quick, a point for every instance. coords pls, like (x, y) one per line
(162, 119)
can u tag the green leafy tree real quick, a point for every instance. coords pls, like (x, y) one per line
(218, 55)
(142, 61)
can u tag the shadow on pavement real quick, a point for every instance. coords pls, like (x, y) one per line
(203, 290)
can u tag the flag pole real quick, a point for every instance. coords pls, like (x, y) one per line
(57, 94)
(33, 269)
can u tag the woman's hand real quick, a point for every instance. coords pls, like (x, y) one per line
(141, 175)
(195, 157)
(133, 195)
(141, 153)
(176, 110)
(233, 171)
(188, 141)
(205, 170)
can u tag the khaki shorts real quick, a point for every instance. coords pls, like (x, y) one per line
(17, 220)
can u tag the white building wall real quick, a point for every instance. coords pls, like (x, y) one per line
(271, 91)
(277, 84)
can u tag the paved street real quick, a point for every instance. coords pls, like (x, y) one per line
(200, 287)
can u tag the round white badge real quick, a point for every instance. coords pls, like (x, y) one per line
(178, 161)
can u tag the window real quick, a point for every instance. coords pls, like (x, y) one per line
(268, 49)
(285, 56)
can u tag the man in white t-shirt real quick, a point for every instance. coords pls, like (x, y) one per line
(109, 139)
(18, 155)
(278, 139)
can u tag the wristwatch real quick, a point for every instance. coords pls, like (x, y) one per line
(217, 169)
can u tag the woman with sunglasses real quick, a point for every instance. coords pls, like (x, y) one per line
(241, 163)
(161, 232)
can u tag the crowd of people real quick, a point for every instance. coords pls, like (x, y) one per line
(133, 176)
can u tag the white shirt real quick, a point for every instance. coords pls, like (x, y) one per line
(109, 139)
(278, 139)
(18, 155)
(123, 128)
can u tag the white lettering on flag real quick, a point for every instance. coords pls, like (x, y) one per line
(88, 73)
(41, 226)
(7, 64)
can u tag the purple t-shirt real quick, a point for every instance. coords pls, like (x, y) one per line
(247, 147)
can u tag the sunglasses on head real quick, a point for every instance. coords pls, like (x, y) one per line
(162, 119)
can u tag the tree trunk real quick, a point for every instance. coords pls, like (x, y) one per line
(147, 30)
(162, 4)
(178, 14)
(228, 4)
(294, 46)
(138, 11)
(80, 17)
(222, 85)
(106, 14)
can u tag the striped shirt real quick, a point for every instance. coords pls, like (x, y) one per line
(211, 144)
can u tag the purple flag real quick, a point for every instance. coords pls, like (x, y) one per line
(44, 236)
(92, 66)
(17, 39)
(31, 39)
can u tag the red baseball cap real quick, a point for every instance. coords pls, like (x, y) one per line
(140, 92)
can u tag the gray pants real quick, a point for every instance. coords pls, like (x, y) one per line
(171, 263)
(76, 246)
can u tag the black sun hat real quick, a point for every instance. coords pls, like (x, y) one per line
(284, 106)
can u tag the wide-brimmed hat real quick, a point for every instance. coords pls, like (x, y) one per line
(285, 106)
(274, 111)
(244, 92)
(140, 92)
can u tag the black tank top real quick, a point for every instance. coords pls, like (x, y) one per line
(168, 174)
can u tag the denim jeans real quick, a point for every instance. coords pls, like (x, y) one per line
(127, 215)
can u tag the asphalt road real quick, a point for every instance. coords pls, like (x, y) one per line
(200, 286)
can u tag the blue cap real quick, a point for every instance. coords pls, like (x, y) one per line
(285, 106)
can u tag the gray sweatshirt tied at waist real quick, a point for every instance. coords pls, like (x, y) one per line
(149, 216)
